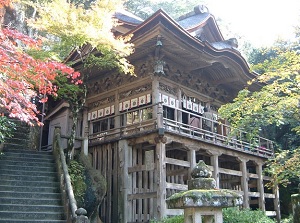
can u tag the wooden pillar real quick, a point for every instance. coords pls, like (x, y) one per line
(277, 203)
(179, 113)
(192, 159)
(117, 112)
(215, 162)
(155, 94)
(159, 116)
(161, 178)
(85, 127)
(260, 186)
(244, 182)
(125, 152)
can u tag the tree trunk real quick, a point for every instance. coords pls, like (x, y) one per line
(71, 140)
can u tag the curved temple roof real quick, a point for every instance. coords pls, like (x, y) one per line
(196, 44)
(193, 42)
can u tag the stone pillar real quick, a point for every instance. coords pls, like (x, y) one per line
(244, 181)
(260, 186)
(295, 199)
(81, 216)
(203, 202)
(161, 177)
(215, 163)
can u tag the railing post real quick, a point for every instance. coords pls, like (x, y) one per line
(75, 215)
(159, 115)
(81, 216)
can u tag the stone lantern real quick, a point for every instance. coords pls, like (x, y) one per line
(203, 202)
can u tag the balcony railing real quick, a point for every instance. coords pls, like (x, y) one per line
(140, 121)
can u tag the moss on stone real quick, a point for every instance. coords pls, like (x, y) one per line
(204, 198)
(295, 199)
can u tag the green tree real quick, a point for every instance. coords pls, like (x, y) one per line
(275, 104)
(146, 8)
(23, 76)
(71, 27)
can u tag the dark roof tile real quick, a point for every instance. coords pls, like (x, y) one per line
(128, 17)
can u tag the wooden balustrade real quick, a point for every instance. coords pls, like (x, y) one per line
(217, 132)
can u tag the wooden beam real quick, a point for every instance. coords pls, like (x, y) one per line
(140, 168)
(267, 195)
(231, 172)
(177, 172)
(143, 195)
(226, 80)
(176, 186)
(254, 194)
(177, 162)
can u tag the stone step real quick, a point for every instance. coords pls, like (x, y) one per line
(4, 177)
(24, 152)
(26, 183)
(53, 189)
(9, 171)
(30, 221)
(26, 201)
(17, 143)
(32, 215)
(25, 159)
(27, 153)
(34, 164)
(29, 188)
(31, 208)
(6, 165)
(31, 195)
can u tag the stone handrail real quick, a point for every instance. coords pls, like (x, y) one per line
(73, 214)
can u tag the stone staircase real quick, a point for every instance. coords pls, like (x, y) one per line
(29, 188)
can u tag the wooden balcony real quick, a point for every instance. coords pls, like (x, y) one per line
(149, 119)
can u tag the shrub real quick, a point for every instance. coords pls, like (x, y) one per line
(76, 171)
(233, 215)
(230, 215)
(6, 128)
(288, 220)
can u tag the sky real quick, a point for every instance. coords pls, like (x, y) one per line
(259, 22)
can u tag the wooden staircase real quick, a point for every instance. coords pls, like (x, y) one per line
(29, 188)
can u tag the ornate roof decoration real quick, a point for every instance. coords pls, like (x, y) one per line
(192, 45)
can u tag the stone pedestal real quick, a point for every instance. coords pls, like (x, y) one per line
(295, 198)
(203, 202)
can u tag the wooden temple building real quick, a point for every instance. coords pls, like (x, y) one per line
(146, 132)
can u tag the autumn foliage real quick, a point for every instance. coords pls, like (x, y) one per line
(24, 79)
